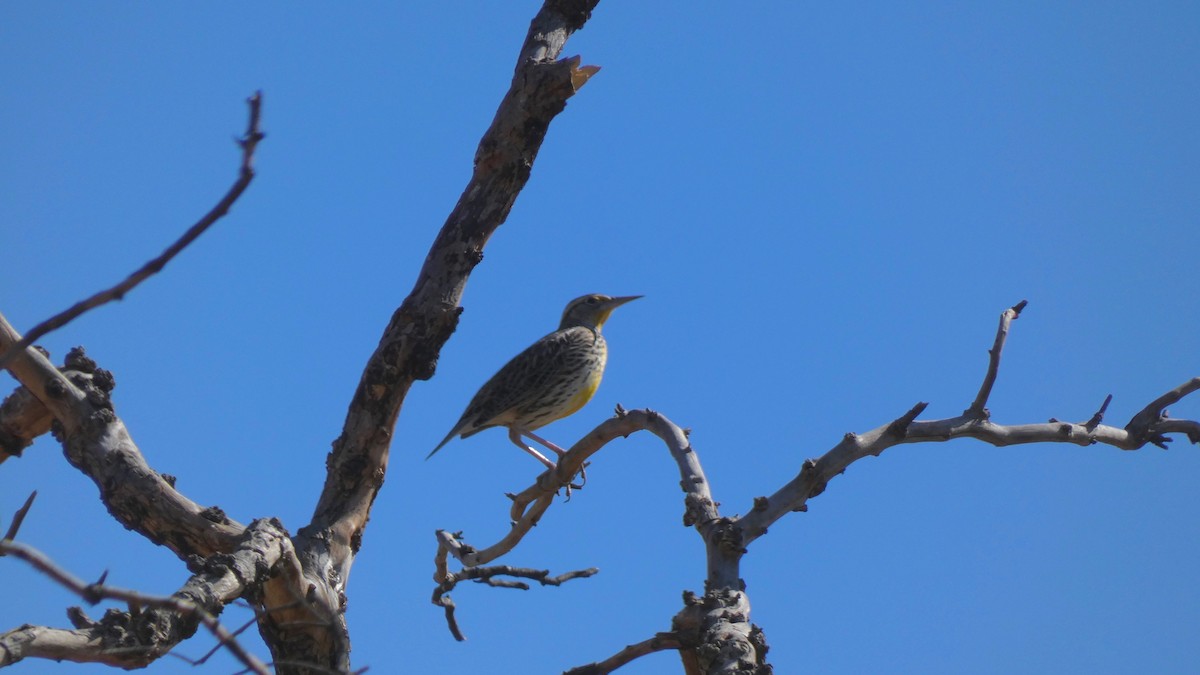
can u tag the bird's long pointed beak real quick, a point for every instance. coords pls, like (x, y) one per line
(614, 303)
(611, 304)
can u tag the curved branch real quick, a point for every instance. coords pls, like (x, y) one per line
(977, 408)
(248, 143)
(630, 653)
(529, 506)
(1143, 424)
(531, 503)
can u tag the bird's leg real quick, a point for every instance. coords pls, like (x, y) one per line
(514, 435)
(559, 451)
(545, 443)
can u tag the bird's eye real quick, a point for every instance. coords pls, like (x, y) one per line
(593, 300)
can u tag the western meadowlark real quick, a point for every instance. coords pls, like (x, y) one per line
(551, 379)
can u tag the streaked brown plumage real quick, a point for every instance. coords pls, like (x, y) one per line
(552, 378)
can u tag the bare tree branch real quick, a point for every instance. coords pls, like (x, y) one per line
(1143, 425)
(1097, 418)
(96, 441)
(714, 630)
(978, 406)
(627, 655)
(1148, 426)
(19, 517)
(530, 504)
(719, 619)
(217, 647)
(22, 419)
(248, 143)
(490, 577)
(154, 624)
(305, 604)
(412, 340)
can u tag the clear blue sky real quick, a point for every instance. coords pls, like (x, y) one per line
(826, 207)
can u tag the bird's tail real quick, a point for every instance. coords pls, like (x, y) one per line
(439, 445)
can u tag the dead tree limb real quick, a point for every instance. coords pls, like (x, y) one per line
(248, 143)
(1148, 426)
(409, 348)
(154, 624)
(630, 653)
(302, 619)
(713, 630)
(494, 576)
(978, 406)
(77, 401)
(96, 442)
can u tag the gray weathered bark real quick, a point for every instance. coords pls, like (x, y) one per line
(301, 592)
(299, 585)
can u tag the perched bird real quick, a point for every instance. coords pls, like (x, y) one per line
(551, 379)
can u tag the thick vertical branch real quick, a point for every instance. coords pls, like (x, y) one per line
(410, 345)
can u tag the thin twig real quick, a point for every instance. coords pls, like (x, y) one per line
(18, 518)
(1097, 418)
(658, 643)
(217, 647)
(93, 593)
(978, 407)
(248, 143)
(899, 426)
(487, 575)
(532, 503)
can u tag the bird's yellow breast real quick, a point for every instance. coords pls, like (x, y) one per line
(585, 393)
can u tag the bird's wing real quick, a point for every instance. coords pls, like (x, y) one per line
(522, 380)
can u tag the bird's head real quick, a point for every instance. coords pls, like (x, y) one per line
(592, 310)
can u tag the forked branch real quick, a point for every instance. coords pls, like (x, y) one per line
(1150, 425)
(531, 503)
(496, 576)
(123, 639)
